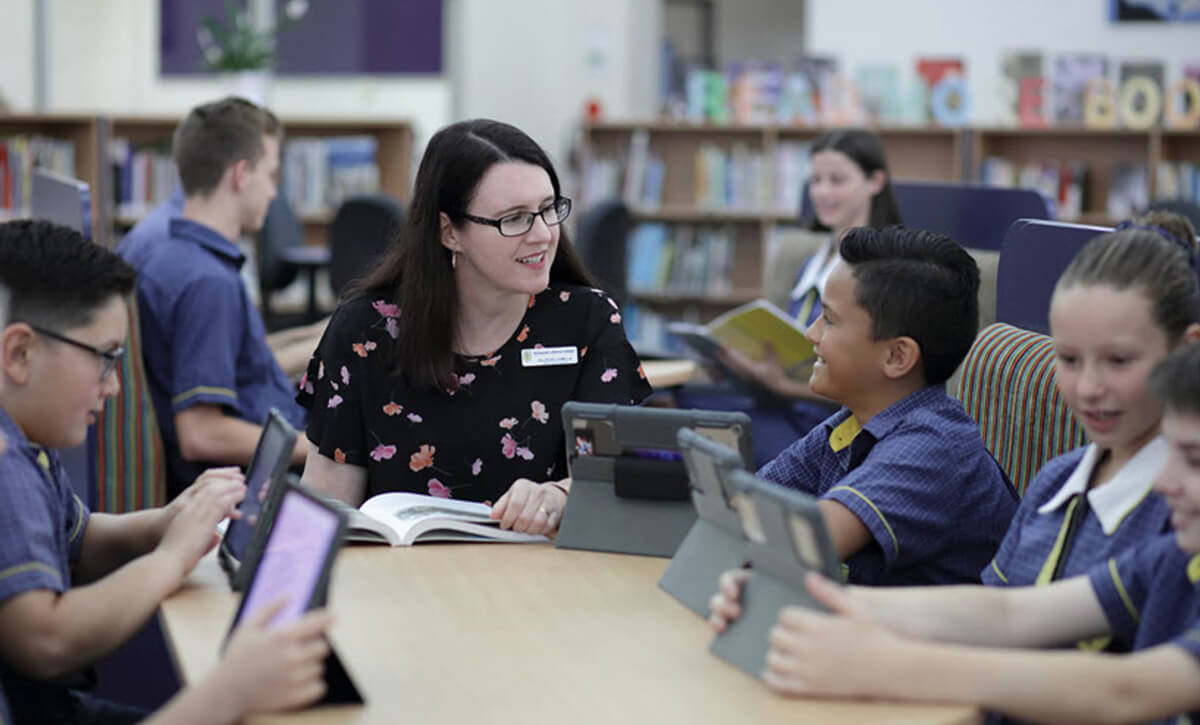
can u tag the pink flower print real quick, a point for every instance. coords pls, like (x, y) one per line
(524, 334)
(437, 488)
(564, 296)
(423, 458)
(305, 385)
(415, 418)
(383, 453)
(614, 304)
(525, 453)
(333, 385)
(539, 411)
(476, 467)
(615, 318)
(345, 375)
(359, 349)
(508, 446)
(393, 409)
(509, 423)
(490, 362)
(321, 370)
(608, 375)
(386, 309)
(335, 401)
(393, 329)
(467, 379)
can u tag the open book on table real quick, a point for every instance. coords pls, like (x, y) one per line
(404, 519)
(748, 329)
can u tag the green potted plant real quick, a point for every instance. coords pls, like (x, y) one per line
(241, 45)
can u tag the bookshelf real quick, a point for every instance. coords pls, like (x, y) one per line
(393, 154)
(1170, 159)
(84, 134)
(772, 159)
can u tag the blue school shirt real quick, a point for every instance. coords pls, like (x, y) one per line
(919, 478)
(41, 532)
(151, 230)
(203, 339)
(1151, 596)
(1122, 513)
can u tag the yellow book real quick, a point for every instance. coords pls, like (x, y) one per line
(748, 329)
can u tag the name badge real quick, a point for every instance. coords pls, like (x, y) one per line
(538, 357)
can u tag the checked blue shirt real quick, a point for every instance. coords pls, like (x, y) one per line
(919, 478)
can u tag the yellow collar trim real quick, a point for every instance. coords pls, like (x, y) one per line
(844, 434)
(1193, 569)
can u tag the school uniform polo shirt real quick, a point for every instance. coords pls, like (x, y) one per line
(41, 531)
(1121, 514)
(150, 230)
(1151, 596)
(918, 477)
(203, 339)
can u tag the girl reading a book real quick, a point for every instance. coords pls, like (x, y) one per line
(444, 371)
(849, 186)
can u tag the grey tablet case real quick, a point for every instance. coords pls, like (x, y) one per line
(269, 463)
(339, 687)
(629, 490)
(785, 537)
(714, 544)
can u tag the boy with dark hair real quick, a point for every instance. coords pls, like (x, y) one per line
(212, 376)
(909, 492)
(958, 644)
(58, 352)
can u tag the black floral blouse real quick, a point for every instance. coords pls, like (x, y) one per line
(501, 423)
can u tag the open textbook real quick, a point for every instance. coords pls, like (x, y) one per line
(404, 519)
(748, 329)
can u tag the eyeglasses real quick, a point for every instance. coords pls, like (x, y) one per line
(111, 358)
(518, 223)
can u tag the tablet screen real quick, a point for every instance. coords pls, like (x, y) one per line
(274, 444)
(293, 558)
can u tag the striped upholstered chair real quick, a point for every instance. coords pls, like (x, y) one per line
(130, 469)
(1007, 386)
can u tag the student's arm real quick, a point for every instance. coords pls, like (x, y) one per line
(46, 634)
(112, 540)
(263, 670)
(809, 656)
(847, 531)
(343, 481)
(206, 433)
(293, 357)
(769, 374)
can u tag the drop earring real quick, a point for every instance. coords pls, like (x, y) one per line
(453, 260)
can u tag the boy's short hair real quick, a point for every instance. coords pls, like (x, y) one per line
(917, 284)
(1175, 380)
(216, 135)
(56, 277)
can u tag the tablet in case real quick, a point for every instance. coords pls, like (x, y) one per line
(714, 544)
(629, 487)
(268, 465)
(294, 558)
(786, 537)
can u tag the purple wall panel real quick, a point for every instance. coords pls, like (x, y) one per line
(335, 37)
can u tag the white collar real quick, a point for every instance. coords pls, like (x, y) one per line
(816, 271)
(1113, 501)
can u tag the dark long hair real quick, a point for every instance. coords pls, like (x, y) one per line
(416, 275)
(865, 149)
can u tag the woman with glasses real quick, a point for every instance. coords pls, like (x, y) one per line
(444, 371)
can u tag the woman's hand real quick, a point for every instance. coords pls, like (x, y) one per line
(531, 508)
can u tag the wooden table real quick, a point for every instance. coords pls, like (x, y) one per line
(492, 633)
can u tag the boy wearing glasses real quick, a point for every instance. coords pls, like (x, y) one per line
(212, 376)
(67, 324)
